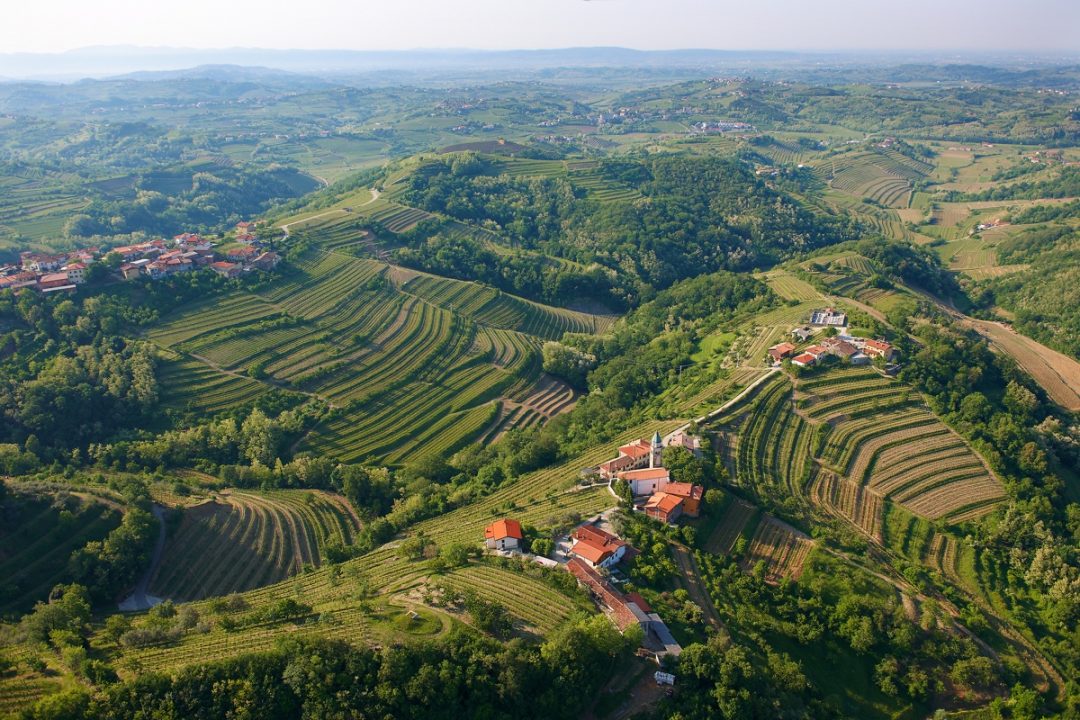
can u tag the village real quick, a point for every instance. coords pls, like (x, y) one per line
(836, 344)
(593, 552)
(64, 272)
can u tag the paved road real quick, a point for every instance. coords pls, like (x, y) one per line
(139, 599)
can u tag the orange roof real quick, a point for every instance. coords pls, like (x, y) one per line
(815, 350)
(878, 345)
(664, 502)
(804, 358)
(503, 529)
(684, 490)
(785, 347)
(636, 449)
(644, 474)
(593, 553)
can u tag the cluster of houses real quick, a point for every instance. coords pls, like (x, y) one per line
(852, 349)
(48, 273)
(593, 552)
(154, 259)
(640, 465)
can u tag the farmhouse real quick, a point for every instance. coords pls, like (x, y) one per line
(804, 360)
(40, 262)
(18, 280)
(596, 547)
(829, 317)
(54, 280)
(690, 494)
(879, 349)
(664, 507)
(503, 535)
(226, 269)
(646, 481)
(781, 351)
(639, 453)
(76, 272)
(266, 261)
(242, 253)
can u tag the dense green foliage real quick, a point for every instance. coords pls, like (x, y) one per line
(204, 200)
(701, 215)
(461, 676)
(1030, 550)
(1045, 296)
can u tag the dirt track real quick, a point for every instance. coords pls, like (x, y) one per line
(1057, 373)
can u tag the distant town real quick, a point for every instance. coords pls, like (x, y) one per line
(49, 273)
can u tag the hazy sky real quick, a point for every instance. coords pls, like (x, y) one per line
(55, 25)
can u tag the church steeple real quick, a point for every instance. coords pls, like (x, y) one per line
(657, 449)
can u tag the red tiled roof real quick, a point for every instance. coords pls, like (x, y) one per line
(814, 350)
(610, 597)
(503, 529)
(783, 348)
(639, 601)
(804, 358)
(878, 345)
(664, 502)
(644, 474)
(684, 490)
(636, 449)
(593, 553)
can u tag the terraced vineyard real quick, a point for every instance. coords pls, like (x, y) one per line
(243, 540)
(216, 391)
(548, 398)
(539, 607)
(885, 177)
(861, 506)
(881, 435)
(870, 438)
(738, 516)
(772, 444)
(38, 536)
(494, 308)
(408, 372)
(781, 548)
(599, 187)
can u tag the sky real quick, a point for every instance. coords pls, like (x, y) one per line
(938, 25)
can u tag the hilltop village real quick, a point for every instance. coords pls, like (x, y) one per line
(592, 552)
(51, 273)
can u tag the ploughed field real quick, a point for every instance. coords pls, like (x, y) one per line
(408, 368)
